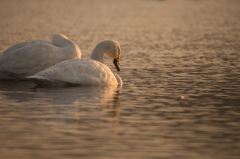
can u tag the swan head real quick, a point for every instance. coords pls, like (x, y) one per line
(113, 52)
(109, 47)
(61, 40)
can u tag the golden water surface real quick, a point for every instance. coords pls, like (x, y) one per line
(180, 65)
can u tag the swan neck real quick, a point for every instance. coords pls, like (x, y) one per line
(98, 53)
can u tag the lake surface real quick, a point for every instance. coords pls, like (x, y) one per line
(180, 65)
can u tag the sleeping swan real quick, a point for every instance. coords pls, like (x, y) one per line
(84, 71)
(28, 58)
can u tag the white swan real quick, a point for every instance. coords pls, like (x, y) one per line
(28, 58)
(84, 71)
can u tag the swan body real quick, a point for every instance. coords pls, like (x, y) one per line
(84, 71)
(28, 58)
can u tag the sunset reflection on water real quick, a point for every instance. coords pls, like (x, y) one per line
(181, 81)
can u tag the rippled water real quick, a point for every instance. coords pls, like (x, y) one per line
(180, 65)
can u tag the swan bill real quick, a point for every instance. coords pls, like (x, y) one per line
(116, 64)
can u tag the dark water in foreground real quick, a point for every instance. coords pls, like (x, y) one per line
(180, 65)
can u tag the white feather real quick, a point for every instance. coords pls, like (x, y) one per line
(82, 71)
(28, 58)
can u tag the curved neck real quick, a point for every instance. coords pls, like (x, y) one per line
(98, 52)
(61, 41)
(68, 47)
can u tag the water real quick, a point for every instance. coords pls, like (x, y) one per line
(181, 72)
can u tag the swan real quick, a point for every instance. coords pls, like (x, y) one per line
(28, 58)
(84, 71)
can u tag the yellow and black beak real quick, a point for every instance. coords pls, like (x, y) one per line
(116, 63)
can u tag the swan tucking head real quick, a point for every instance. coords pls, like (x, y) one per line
(109, 47)
(113, 52)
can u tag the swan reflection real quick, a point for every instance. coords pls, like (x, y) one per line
(59, 103)
(82, 95)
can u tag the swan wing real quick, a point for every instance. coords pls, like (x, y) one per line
(77, 71)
